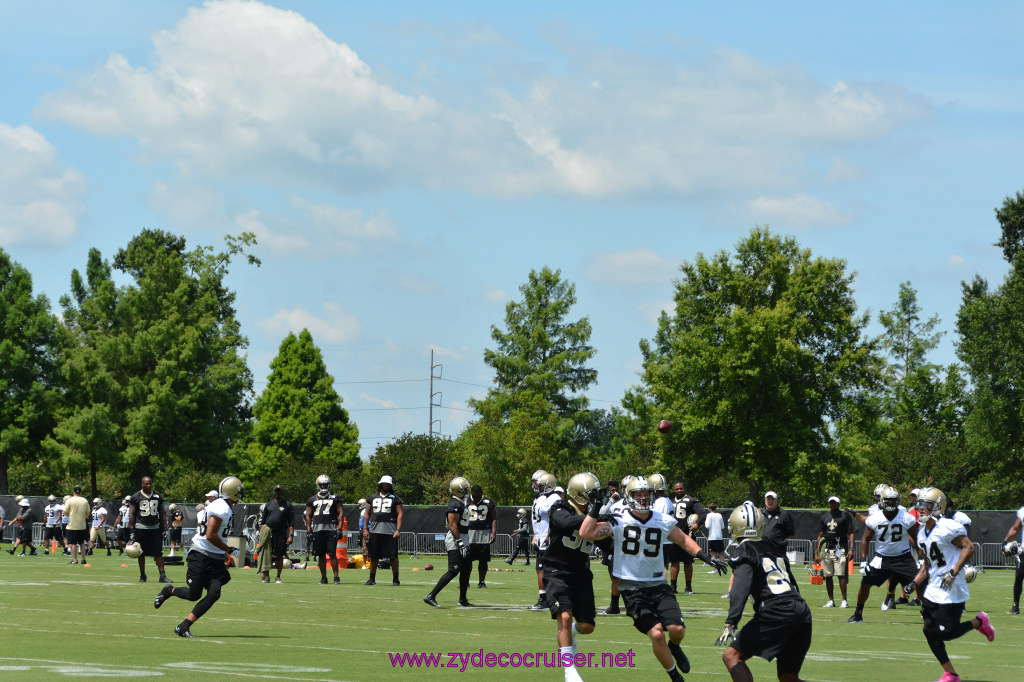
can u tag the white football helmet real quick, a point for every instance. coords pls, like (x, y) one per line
(96, 501)
(638, 494)
(172, 508)
(133, 549)
(126, 500)
(323, 485)
(890, 504)
(231, 488)
(51, 499)
(746, 522)
(932, 502)
(579, 487)
(363, 503)
(625, 482)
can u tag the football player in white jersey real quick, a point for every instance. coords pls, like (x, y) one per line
(639, 534)
(613, 505)
(207, 566)
(946, 550)
(895, 533)
(543, 485)
(51, 516)
(1012, 548)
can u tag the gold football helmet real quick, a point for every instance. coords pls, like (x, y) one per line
(231, 488)
(547, 482)
(932, 501)
(638, 494)
(746, 522)
(535, 480)
(459, 487)
(579, 488)
(656, 482)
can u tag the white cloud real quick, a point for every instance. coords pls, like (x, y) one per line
(954, 261)
(797, 211)
(334, 220)
(249, 90)
(440, 351)
(417, 283)
(40, 200)
(635, 266)
(336, 326)
(382, 402)
(493, 295)
(652, 311)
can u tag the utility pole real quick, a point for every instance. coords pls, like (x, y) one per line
(433, 404)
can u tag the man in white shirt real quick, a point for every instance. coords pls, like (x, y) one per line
(946, 550)
(207, 559)
(714, 524)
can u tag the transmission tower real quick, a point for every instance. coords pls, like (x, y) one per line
(434, 394)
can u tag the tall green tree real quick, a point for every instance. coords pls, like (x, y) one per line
(165, 381)
(761, 356)
(541, 357)
(990, 323)
(299, 417)
(27, 367)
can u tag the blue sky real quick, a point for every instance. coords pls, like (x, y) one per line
(405, 166)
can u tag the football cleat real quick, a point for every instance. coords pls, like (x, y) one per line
(183, 632)
(612, 611)
(681, 660)
(1014, 611)
(429, 599)
(370, 582)
(985, 626)
(337, 580)
(889, 603)
(829, 604)
(688, 591)
(278, 581)
(508, 561)
(161, 598)
(539, 606)
(165, 579)
(855, 618)
(465, 604)
(914, 602)
(323, 581)
(844, 605)
(395, 582)
(481, 584)
(142, 578)
(902, 601)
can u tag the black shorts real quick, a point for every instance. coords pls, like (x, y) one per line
(174, 535)
(480, 552)
(716, 545)
(278, 542)
(204, 570)
(675, 554)
(575, 593)
(456, 563)
(77, 537)
(902, 567)
(25, 535)
(151, 540)
(51, 533)
(325, 542)
(941, 620)
(538, 560)
(652, 605)
(382, 546)
(124, 533)
(781, 629)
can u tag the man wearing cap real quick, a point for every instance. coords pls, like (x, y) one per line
(24, 520)
(277, 515)
(778, 522)
(382, 527)
(835, 537)
(77, 509)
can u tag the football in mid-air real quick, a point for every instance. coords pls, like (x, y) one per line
(664, 426)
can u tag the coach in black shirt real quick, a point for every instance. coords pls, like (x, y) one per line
(277, 515)
(778, 522)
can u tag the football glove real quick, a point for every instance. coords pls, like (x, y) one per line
(1011, 549)
(864, 568)
(947, 581)
(909, 589)
(728, 634)
(463, 550)
(718, 565)
(596, 495)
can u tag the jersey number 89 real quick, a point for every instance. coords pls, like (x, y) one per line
(631, 541)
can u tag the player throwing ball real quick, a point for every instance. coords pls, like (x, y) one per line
(640, 534)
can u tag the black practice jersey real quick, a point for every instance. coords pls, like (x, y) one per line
(567, 552)
(479, 516)
(457, 507)
(149, 511)
(384, 512)
(326, 511)
(686, 506)
(835, 529)
(761, 571)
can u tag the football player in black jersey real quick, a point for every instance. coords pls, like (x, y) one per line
(685, 506)
(323, 523)
(146, 521)
(458, 551)
(382, 526)
(568, 582)
(482, 523)
(781, 625)
(521, 537)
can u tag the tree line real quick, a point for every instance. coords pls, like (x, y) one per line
(763, 364)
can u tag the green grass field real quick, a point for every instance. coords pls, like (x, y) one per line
(97, 622)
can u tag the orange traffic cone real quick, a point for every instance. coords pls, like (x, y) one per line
(342, 550)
